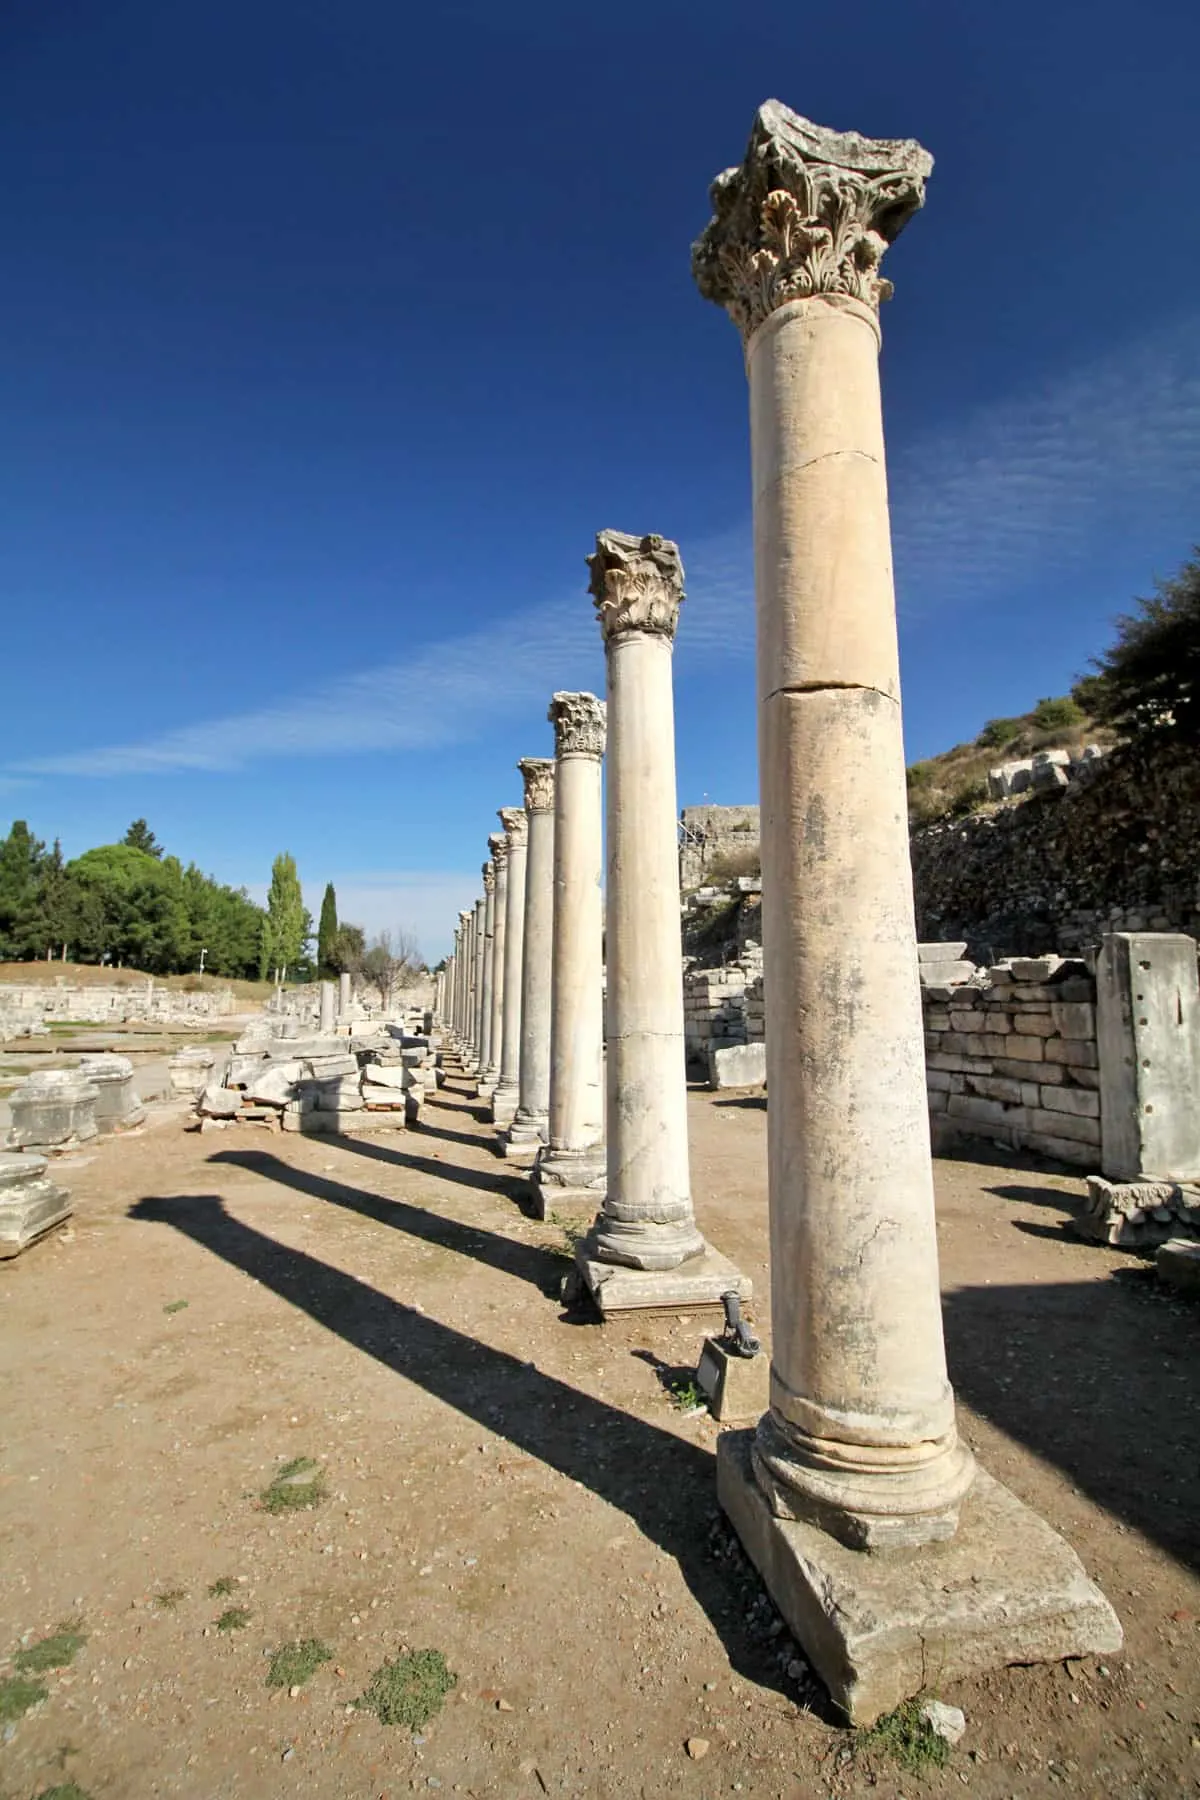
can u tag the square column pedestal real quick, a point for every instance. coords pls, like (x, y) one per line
(692, 1286)
(880, 1626)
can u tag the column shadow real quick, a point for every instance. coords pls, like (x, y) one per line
(1098, 1382)
(512, 1186)
(527, 1262)
(664, 1484)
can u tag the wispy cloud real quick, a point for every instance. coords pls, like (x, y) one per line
(1037, 482)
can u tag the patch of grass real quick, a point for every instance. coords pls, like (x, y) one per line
(573, 1235)
(409, 1690)
(686, 1395)
(222, 1587)
(58, 1651)
(64, 1790)
(295, 1663)
(17, 1696)
(234, 1618)
(908, 1739)
(174, 1306)
(170, 1598)
(297, 1485)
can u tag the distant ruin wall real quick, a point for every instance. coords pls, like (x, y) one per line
(713, 837)
(26, 1008)
(1056, 870)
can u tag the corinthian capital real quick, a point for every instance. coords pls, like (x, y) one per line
(515, 821)
(538, 774)
(579, 724)
(489, 878)
(498, 845)
(637, 583)
(807, 211)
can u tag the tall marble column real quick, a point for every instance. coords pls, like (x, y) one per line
(466, 963)
(486, 1080)
(570, 1169)
(515, 821)
(860, 1441)
(498, 844)
(478, 943)
(328, 1014)
(647, 1223)
(528, 1130)
(345, 997)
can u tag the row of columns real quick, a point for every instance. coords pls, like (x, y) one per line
(858, 1451)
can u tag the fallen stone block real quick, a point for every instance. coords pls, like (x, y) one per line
(243, 1068)
(189, 1070)
(219, 1103)
(53, 1109)
(945, 975)
(276, 1085)
(30, 1203)
(941, 953)
(737, 1066)
(118, 1106)
(1178, 1264)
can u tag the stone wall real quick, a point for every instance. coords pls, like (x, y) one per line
(1011, 1057)
(715, 1007)
(708, 835)
(31, 1007)
(1058, 868)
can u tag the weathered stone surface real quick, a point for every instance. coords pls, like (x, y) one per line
(219, 1102)
(53, 1109)
(1004, 1589)
(189, 1069)
(700, 1281)
(1178, 1264)
(118, 1107)
(30, 1203)
(942, 952)
(276, 1084)
(737, 1065)
(945, 974)
(1137, 1215)
(1148, 1023)
(736, 1387)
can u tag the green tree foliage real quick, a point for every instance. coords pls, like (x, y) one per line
(288, 925)
(122, 904)
(349, 949)
(1151, 674)
(1054, 714)
(998, 732)
(327, 931)
(140, 837)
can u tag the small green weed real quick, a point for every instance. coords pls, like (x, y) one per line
(170, 1598)
(295, 1663)
(55, 1652)
(409, 1690)
(64, 1790)
(174, 1306)
(17, 1696)
(234, 1618)
(297, 1485)
(573, 1235)
(907, 1738)
(222, 1587)
(686, 1395)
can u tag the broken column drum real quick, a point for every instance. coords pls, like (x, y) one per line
(860, 1438)
(508, 1088)
(647, 1220)
(344, 997)
(328, 1014)
(574, 1154)
(529, 1126)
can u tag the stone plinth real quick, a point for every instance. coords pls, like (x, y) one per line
(30, 1203)
(54, 1109)
(1004, 1589)
(189, 1070)
(690, 1286)
(1148, 1031)
(118, 1106)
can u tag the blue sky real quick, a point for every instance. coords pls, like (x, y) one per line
(330, 336)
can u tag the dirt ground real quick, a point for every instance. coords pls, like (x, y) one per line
(519, 1490)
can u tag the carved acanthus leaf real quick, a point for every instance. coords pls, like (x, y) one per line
(808, 211)
(538, 773)
(637, 583)
(489, 878)
(515, 821)
(579, 722)
(498, 845)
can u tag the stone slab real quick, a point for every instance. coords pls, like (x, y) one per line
(880, 1628)
(737, 1065)
(31, 1204)
(573, 1203)
(1178, 1265)
(698, 1282)
(519, 1150)
(736, 1387)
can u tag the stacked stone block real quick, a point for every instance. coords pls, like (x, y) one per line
(1011, 1057)
(714, 1010)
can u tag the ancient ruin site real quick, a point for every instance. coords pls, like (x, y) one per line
(655, 1249)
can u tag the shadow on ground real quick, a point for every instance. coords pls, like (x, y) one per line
(1100, 1381)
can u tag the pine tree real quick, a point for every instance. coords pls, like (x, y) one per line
(288, 926)
(140, 837)
(327, 932)
(21, 857)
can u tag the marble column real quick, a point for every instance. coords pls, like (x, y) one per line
(466, 923)
(478, 943)
(570, 1169)
(647, 1223)
(528, 1131)
(486, 1080)
(345, 993)
(860, 1440)
(515, 821)
(328, 1012)
(498, 843)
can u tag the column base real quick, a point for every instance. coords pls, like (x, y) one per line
(503, 1108)
(568, 1181)
(880, 1628)
(699, 1282)
(486, 1085)
(525, 1137)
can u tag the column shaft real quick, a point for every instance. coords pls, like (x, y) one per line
(530, 1125)
(507, 1094)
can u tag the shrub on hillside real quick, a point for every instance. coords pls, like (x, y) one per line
(1151, 674)
(998, 732)
(744, 860)
(1053, 714)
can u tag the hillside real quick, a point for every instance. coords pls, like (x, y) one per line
(955, 782)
